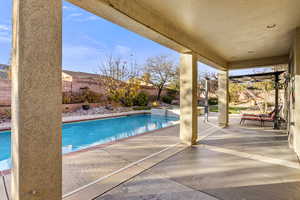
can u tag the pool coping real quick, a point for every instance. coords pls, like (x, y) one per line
(92, 117)
(101, 146)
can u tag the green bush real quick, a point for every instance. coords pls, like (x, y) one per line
(77, 98)
(213, 101)
(213, 108)
(142, 108)
(66, 99)
(141, 99)
(81, 97)
(167, 99)
(93, 97)
(152, 98)
(127, 101)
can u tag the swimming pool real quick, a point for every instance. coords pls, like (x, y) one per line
(80, 135)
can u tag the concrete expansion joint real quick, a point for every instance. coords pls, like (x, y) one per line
(5, 186)
(256, 157)
(137, 164)
(119, 157)
(160, 175)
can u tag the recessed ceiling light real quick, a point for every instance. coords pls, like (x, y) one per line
(251, 51)
(270, 26)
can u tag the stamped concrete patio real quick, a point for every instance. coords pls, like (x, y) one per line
(233, 163)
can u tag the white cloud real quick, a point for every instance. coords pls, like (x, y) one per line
(4, 27)
(68, 8)
(123, 50)
(75, 15)
(81, 56)
(5, 34)
(5, 39)
(80, 17)
(94, 42)
(80, 51)
(91, 18)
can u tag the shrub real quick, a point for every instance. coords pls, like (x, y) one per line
(127, 101)
(167, 99)
(93, 97)
(152, 98)
(81, 97)
(213, 101)
(141, 99)
(142, 108)
(66, 99)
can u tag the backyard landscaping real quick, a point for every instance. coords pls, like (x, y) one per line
(232, 109)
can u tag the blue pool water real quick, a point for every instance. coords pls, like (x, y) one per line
(80, 135)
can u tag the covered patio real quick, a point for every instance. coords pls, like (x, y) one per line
(233, 163)
(229, 164)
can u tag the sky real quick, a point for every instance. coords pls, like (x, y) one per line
(88, 38)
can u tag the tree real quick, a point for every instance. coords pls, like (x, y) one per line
(118, 79)
(175, 82)
(159, 71)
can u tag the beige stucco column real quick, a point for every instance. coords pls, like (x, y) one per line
(188, 99)
(296, 111)
(36, 100)
(223, 96)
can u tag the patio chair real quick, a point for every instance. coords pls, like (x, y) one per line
(251, 118)
(255, 117)
(262, 118)
(259, 115)
(270, 118)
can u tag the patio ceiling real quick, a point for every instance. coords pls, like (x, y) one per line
(225, 34)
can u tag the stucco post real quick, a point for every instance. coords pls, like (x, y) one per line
(36, 100)
(188, 99)
(223, 96)
(296, 128)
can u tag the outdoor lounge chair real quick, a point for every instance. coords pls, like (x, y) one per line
(268, 119)
(259, 115)
(262, 118)
(251, 118)
(255, 117)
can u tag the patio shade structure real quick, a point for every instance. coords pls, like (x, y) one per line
(227, 35)
(269, 76)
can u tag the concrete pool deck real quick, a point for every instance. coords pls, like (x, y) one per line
(236, 163)
(232, 163)
(83, 167)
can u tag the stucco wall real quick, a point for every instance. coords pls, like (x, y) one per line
(78, 83)
(5, 92)
(75, 85)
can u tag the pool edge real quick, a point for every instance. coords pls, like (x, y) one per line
(101, 146)
(112, 115)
